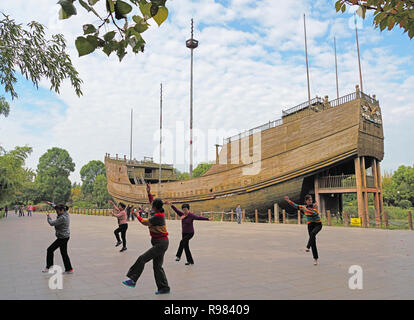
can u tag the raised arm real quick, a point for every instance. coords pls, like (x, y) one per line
(115, 207)
(59, 220)
(177, 211)
(143, 221)
(296, 206)
(150, 196)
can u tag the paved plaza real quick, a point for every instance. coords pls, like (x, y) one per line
(246, 261)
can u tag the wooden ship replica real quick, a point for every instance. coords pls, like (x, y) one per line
(320, 147)
(323, 148)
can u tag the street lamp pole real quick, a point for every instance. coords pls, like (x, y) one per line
(191, 44)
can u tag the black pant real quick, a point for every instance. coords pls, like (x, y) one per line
(156, 254)
(63, 245)
(121, 229)
(185, 245)
(313, 229)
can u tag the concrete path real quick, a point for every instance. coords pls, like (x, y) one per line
(247, 261)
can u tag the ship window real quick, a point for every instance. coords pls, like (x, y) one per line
(132, 181)
(148, 170)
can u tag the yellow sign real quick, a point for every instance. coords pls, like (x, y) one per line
(356, 222)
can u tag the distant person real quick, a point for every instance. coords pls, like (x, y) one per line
(122, 224)
(128, 212)
(21, 211)
(16, 208)
(132, 213)
(159, 240)
(61, 225)
(314, 223)
(187, 219)
(6, 211)
(29, 210)
(238, 214)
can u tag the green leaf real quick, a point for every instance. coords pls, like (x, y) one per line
(92, 2)
(141, 27)
(137, 19)
(110, 6)
(88, 28)
(122, 8)
(146, 9)
(153, 10)
(121, 49)
(67, 10)
(161, 15)
(84, 46)
(338, 5)
(109, 36)
(85, 5)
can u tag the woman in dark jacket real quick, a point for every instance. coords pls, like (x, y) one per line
(187, 219)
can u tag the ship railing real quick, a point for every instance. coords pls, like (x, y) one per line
(301, 106)
(337, 182)
(343, 182)
(342, 100)
(369, 98)
(269, 125)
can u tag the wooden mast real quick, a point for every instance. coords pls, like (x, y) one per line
(359, 57)
(336, 71)
(159, 178)
(306, 54)
(130, 141)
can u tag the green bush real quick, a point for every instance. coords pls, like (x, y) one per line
(405, 204)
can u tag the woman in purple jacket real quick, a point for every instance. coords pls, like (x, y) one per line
(187, 219)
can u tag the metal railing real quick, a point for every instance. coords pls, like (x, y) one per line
(318, 100)
(301, 106)
(270, 124)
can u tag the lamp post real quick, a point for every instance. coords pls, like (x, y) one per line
(191, 44)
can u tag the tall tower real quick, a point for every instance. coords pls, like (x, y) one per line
(191, 44)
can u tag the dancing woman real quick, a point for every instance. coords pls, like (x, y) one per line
(159, 241)
(61, 225)
(314, 223)
(187, 219)
(122, 224)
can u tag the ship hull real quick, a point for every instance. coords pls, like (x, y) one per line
(305, 143)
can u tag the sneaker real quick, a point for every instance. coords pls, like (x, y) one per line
(177, 259)
(162, 291)
(129, 283)
(315, 262)
(69, 271)
(123, 249)
(118, 243)
(188, 263)
(45, 270)
(307, 250)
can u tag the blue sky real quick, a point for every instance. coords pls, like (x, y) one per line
(249, 66)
